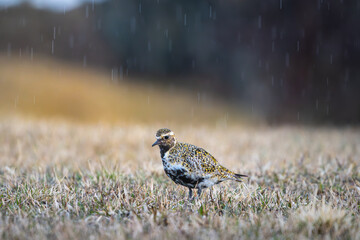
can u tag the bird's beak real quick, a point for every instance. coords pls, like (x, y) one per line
(156, 143)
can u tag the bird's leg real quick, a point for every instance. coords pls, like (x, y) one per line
(199, 192)
(211, 197)
(190, 193)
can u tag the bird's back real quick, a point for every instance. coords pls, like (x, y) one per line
(198, 162)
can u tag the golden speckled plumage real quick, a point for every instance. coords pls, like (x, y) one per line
(197, 160)
(190, 165)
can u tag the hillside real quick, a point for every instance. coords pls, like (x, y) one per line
(49, 88)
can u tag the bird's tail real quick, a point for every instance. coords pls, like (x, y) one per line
(239, 177)
(231, 175)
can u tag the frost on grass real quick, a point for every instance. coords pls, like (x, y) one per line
(61, 180)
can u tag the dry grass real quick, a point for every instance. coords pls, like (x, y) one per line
(60, 180)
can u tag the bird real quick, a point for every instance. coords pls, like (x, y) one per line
(189, 165)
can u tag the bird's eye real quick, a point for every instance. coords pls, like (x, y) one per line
(166, 137)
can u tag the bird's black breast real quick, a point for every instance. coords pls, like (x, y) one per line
(163, 150)
(182, 176)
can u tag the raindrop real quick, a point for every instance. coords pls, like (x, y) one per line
(170, 45)
(331, 58)
(273, 32)
(185, 19)
(86, 11)
(20, 52)
(224, 121)
(9, 49)
(84, 61)
(346, 76)
(31, 54)
(52, 46)
(272, 80)
(259, 22)
(178, 13)
(93, 5)
(298, 116)
(298, 46)
(16, 101)
(64, 10)
(166, 33)
(148, 100)
(71, 41)
(133, 25)
(121, 72)
(281, 4)
(54, 33)
(198, 97)
(34, 99)
(327, 82)
(210, 11)
(287, 59)
(140, 8)
(112, 74)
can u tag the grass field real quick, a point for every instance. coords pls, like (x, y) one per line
(64, 180)
(76, 162)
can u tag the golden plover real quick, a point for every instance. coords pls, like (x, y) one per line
(190, 166)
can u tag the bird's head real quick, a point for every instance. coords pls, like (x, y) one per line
(165, 138)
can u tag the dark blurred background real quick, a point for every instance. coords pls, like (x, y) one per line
(289, 61)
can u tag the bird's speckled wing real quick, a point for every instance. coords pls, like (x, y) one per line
(196, 160)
